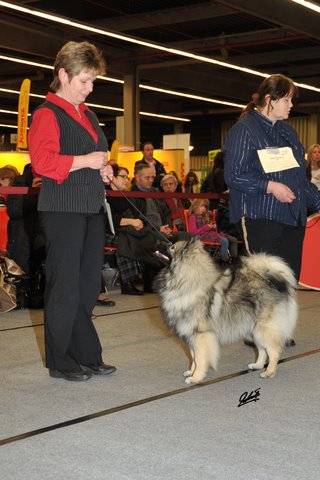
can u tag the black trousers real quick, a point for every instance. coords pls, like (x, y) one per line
(74, 244)
(285, 241)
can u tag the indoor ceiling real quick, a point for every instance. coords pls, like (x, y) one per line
(273, 36)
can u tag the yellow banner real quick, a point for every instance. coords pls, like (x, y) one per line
(23, 111)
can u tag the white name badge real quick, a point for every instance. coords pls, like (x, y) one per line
(277, 159)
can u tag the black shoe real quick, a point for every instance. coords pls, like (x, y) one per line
(70, 375)
(130, 289)
(99, 369)
(106, 303)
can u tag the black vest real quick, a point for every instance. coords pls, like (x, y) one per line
(83, 191)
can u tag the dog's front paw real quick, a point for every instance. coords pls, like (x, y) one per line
(193, 379)
(187, 373)
(190, 381)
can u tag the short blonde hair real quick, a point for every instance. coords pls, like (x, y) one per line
(75, 57)
(169, 176)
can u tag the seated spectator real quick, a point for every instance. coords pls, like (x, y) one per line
(185, 201)
(169, 184)
(191, 183)
(149, 160)
(7, 176)
(157, 212)
(223, 220)
(155, 209)
(200, 224)
(26, 243)
(134, 242)
(179, 183)
(313, 164)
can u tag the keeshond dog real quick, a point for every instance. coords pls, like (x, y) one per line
(207, 306)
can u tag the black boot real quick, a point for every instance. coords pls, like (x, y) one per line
(148, 275)
(129, 289)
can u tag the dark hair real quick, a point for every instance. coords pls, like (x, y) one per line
(116, 169)
(277, 86)
(187, 179)
(218, 162)
(146, 143)
(140, 167)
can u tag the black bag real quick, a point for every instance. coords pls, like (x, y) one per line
(23, 291)
(14, 286)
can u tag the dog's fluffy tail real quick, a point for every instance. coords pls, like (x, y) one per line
(273, 268)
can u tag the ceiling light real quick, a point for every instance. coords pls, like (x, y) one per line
(141, 85)
(174, 51)
(29, 115)
(189, 95)
(106, 107)
(309, 5)
(169, 117)
(8, 126)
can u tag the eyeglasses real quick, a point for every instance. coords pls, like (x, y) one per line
(149, 178)
(123, 176)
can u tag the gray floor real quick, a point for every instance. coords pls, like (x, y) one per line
(143, 422)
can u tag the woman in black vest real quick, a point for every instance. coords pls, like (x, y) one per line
(68, 150)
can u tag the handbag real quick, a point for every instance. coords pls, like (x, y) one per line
(109, 275)
(7, 290)
(14, 286)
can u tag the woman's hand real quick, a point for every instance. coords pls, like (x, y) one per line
(94, 160)
(106, 173)
(281, 192)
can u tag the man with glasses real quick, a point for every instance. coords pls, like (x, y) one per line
(157, 212)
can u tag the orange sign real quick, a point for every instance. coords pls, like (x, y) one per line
(23, 111)
(170, 159)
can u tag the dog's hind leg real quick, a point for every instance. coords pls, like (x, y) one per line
(206, 353)
(274, 352)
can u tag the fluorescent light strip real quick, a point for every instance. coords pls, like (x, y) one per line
(8, 126)
(50, 67)
(309, 5)
(136, 41)
(146, 87)
(165, 116)
(189, 95)
(95, 105)
(8, 111)
(29, 115)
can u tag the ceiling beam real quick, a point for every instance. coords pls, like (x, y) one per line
(285, 13)
(163, 17)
